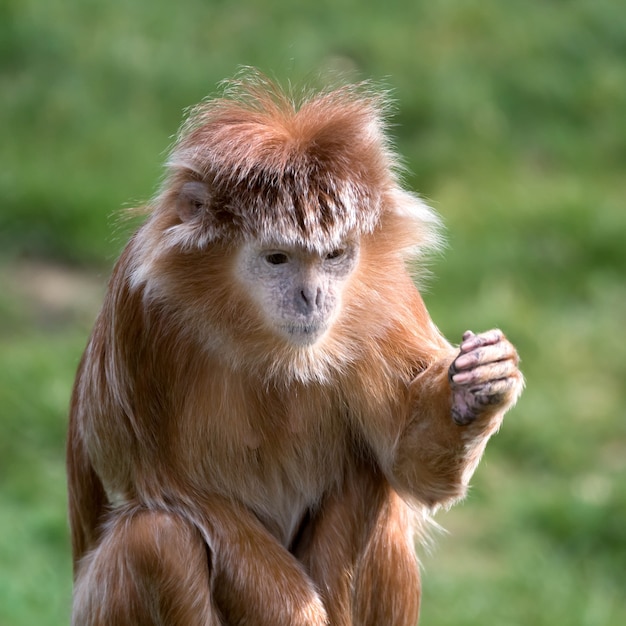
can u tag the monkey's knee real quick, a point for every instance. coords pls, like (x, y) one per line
(149, 568)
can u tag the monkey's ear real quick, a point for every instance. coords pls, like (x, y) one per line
(192, 200)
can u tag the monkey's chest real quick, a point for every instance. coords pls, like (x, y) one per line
(282, 469)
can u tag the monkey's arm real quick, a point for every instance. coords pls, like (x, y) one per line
(454, 406)
(87, 500)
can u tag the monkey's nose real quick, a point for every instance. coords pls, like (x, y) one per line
(310, 299)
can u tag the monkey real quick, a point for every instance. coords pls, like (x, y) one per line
(265, 417)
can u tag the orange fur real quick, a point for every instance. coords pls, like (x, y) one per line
(218, 475)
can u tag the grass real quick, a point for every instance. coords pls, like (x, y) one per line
(511, 120)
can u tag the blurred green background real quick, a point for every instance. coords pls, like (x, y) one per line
(512, 120)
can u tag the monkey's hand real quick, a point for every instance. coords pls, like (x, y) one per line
(484, 377)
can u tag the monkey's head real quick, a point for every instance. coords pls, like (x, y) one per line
(271, 211)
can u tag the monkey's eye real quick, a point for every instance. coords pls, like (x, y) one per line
(335, 254)
(276, 258)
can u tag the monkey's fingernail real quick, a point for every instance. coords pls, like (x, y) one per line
(472, 342)
(462, 377)
(463, 361)
(467, 334)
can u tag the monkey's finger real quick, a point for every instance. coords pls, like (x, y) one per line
(483, 339)
(485, 373)
(494, 392)
(487, 354)
(467, 334)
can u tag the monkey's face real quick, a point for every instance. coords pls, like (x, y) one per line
(298, 291)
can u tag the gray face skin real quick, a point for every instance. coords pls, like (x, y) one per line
(298, 291)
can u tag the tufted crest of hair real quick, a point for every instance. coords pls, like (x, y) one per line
(258, 164)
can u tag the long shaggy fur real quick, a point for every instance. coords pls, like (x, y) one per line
(276, 169)
(218, 475)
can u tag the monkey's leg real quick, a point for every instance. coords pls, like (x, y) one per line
(257, 581)
(150, 568)
(359, 550)
(387, 587)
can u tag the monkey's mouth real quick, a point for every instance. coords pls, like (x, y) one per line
(304, 334)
